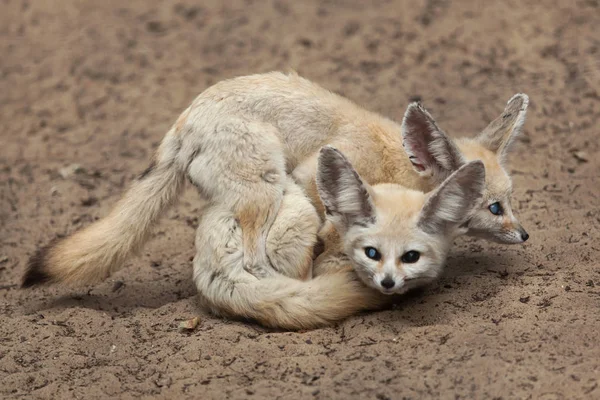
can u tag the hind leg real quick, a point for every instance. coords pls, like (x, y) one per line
(240, 166)
(219, 260)
(293, 235)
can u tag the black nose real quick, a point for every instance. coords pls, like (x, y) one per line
(524, 236)
(387, 282)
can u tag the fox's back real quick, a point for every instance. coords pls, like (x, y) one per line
(306, 115)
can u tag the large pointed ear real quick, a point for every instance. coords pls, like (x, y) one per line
(454, 201)
(431, 152)
(345, 196)
(501, 132)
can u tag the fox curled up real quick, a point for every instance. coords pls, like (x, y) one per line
(249, 143)
(388, 218)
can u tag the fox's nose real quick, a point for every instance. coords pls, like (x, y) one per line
(387, 282)
(523, 232)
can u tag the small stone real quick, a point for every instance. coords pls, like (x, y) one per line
(117, 285)
(581, 156)
(524, 299)
(71, 170)
(88, 202)
(190, 324)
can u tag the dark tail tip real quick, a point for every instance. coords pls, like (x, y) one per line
(36, 268)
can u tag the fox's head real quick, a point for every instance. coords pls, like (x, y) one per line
(435, 155)
(396, 238)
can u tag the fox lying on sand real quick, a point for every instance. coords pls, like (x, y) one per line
(241, 139)
(379, 240)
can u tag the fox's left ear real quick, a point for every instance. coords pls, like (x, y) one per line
(346, 197)
(431, 152)
(501, 132)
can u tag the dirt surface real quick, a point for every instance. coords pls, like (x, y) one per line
(98, 84)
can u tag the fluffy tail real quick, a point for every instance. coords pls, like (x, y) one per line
(92, 254)
(286, 303)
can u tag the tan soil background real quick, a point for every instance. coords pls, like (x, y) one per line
(98, 83)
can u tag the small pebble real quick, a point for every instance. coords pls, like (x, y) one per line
(72, 169)
(581, 156)
(190, 324)
(117, 285)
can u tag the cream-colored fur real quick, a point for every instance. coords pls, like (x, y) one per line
(95, 252)
(236, 143)
(492, 147)
(393, 219)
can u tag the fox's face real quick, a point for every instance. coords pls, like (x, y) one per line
(494, 219)
(396, 238)
(434, 155)
(393, 254)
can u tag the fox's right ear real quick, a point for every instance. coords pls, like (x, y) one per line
(499, 135)
(345, 196)
(431, 152)
(454, 201)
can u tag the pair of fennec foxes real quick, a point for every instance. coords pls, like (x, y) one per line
(316, 208)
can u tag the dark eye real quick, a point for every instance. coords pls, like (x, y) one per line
(410, 257)
(373, 253)
(496, 208)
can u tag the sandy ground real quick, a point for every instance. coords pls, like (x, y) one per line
(98, 84)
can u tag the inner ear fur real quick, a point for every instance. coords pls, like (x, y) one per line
(344, 194)
(430, 150)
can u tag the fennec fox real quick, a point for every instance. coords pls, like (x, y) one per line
(379, 240)
(238, 141)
